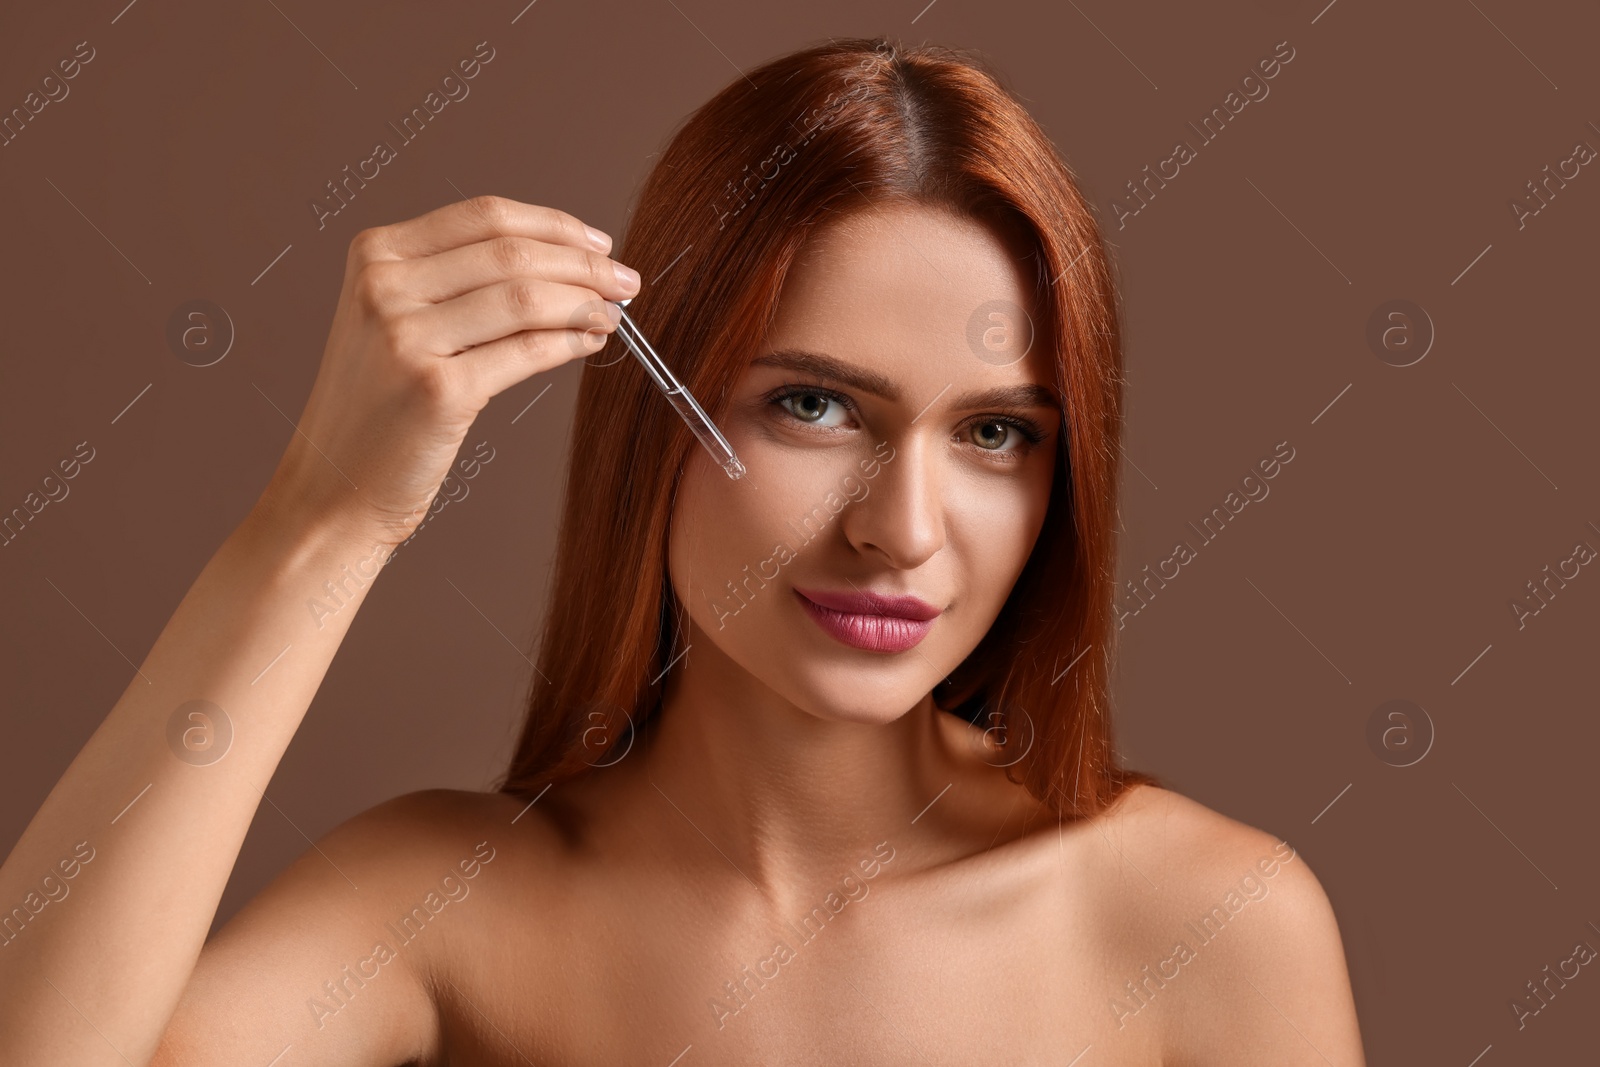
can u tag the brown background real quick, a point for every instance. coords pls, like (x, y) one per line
(1381, 565)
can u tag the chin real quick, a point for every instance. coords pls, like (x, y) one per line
(849, 696)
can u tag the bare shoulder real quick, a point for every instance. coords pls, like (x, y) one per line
(425, 852)
(414, 841)
(1184, 839)
(338, 953)
(428, 819)
(433, 830)
(1234, 943)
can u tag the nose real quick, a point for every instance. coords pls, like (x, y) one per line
(901, 517)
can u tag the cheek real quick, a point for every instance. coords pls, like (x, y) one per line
(728, 532)
(992, 528)
(737, 546)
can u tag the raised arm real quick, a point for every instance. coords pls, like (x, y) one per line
(110, 891)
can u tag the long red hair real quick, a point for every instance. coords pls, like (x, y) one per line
(791, 146)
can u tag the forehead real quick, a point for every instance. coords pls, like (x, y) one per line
(913, 289)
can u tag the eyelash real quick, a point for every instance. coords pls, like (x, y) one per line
(1029, 430)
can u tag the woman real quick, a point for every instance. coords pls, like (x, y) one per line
(817, 764)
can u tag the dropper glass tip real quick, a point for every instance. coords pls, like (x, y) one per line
(734, 468)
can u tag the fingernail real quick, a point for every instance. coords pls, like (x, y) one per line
(598, 238)
(627, 277)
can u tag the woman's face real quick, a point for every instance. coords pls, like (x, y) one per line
(888, 426)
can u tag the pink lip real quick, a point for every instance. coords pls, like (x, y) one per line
(870, 621)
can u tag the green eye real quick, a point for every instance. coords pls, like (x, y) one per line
(813, 406)
(991, 441)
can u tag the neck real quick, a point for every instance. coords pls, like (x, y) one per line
(787, 796)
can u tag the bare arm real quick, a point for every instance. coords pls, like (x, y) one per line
(1271, 984)
(1284, 996)
(84, 979)
(111, 889)
(316, 971)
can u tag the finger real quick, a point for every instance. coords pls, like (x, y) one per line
(504, 308)
(453, 272)
(476, 219)
(498, 365)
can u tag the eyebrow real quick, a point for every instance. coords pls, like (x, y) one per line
(1028, 395)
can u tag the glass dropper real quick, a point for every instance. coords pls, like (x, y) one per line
(678, 395)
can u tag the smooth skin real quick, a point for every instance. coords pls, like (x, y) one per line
(803, 825)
